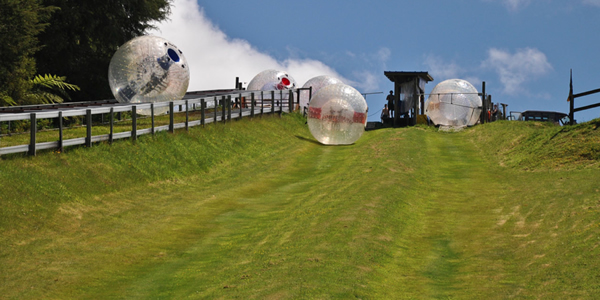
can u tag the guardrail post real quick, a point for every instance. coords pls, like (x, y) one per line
(60, 132)
(112, 122)
(252, 105)
(152, 117)
(171, 118)
(309, 92)
(33, 131)
(88, 124)
(134, 123)
(202, 112)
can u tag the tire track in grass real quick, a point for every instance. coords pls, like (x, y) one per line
(444, 254)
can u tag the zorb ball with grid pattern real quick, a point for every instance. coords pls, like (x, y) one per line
(453, 102)
(148, 69)
(316, 83)
(337, 115)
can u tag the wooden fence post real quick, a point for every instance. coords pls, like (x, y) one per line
(112, 122)
(187, 115)
(272, 102)
(280, 102)
(202, 111)
(60, 132)
(171, 117)
(223, 110)
(298, 99)
(134, 123)
(33, 131)
(242, 103)
(571, 109)
(228, 107)
(291, 101)
(88, 121)
(262, 103)
(484, 113)
(252, 105)
(152, 116)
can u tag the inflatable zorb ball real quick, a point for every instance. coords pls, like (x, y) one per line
(272, 80)
(454, 102)
(148, 69)
(337, 115)
(316, 83)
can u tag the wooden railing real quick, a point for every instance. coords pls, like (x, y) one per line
(256, 103)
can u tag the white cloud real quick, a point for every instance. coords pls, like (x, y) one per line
(441, 70)
(383, 55)
(215, 59)
(516, 69)
(369, 82)
(592, 2)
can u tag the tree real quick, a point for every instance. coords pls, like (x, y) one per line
(20, 22)
(84, 34)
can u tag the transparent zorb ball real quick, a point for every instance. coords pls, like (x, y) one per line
(453, 102)
(316, 83)
(148, 69)
(270, 80)
(337, 115)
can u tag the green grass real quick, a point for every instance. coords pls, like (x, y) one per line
(256, 209)
(78, 130)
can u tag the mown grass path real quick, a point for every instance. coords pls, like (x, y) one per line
(402, 214)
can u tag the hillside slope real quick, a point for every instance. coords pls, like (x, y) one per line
(256, 209)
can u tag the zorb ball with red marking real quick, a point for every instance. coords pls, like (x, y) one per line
(148, 69)
(337, 115)
(270, 80)
(316, 83)
(453, 102)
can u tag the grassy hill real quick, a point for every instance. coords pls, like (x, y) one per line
(256, 209)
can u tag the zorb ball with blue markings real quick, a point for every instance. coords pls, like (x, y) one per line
(148, 69)
(316, 83)
(337, 115)
(453, 102)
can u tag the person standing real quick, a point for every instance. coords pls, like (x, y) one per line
(390, 100)
(385, 114)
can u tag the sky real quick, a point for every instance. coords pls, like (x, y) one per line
(523, 49)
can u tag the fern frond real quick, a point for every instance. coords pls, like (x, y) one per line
(5, 100)
(41, 97)
(54, 82)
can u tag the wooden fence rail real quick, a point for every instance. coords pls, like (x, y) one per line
(260, 102)
(571, 100)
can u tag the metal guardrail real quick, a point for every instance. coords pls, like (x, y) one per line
(260, 102)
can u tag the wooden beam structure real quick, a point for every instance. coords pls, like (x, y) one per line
(400, 78)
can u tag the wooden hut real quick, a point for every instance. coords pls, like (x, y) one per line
(409, 90)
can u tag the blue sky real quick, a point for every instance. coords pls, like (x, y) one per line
(522, 49)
